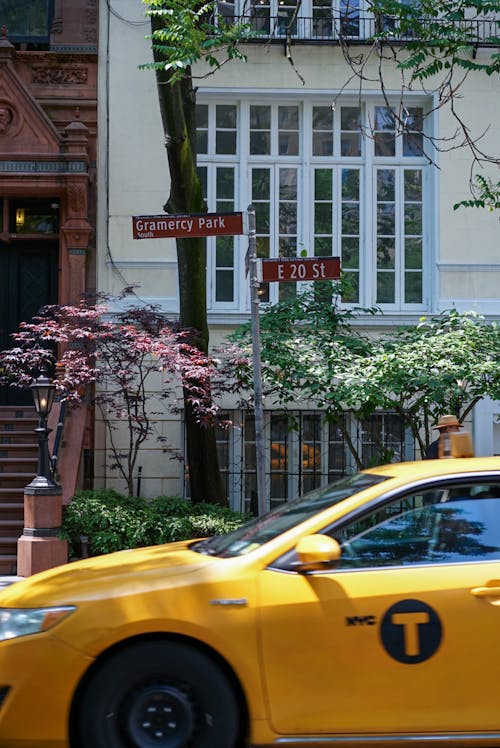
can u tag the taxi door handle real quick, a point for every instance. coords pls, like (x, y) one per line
(485, 591)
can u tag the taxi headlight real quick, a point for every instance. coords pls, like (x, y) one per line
(23, 621)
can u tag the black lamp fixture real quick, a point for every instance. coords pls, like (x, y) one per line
(43, 391)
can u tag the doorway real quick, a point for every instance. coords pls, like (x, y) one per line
(28, 280)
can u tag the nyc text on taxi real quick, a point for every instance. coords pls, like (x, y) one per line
(364, 613)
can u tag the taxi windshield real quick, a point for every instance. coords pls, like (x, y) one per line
(262, 529)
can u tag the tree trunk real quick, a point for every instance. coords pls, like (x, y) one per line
(178, 112)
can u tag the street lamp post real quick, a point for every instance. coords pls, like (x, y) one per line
(40, 546)
(43, 391)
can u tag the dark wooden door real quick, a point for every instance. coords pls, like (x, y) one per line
(28, 280)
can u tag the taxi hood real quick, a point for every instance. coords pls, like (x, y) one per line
(109, 575)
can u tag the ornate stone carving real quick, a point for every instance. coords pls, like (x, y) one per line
(53, 75)
(5, 119)
(77, 200)
(8, 117)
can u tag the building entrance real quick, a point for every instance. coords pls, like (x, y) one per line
(29, 251)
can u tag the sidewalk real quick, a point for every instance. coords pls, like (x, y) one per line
(9, 579)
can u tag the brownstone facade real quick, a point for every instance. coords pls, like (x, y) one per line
(48, 135)
(48, 123)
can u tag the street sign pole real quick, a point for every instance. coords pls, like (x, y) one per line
(280, 269)
(260, 452)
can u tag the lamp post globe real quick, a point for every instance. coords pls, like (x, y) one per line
(43, 391)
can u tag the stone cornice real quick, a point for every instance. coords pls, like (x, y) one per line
(55, 58)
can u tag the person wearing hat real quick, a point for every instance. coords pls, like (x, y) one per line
(446, 425)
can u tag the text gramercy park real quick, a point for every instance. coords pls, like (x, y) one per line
(183, 223)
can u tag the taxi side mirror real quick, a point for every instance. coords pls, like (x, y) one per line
(316, 552)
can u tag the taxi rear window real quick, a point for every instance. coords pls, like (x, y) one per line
(262, 529)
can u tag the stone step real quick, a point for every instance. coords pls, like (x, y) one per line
(11, 511)
(17, 411)
(11, 494)
(16, 480)
(8, 425)
(11, 528)
(18, 437)
(9, 465)
(26, 449)
(17, 463)
(8, 563)
(18, 466)
(8, 545)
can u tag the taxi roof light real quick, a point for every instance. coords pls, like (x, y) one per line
(461, 444)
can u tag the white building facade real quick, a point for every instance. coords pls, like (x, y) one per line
(328, 172)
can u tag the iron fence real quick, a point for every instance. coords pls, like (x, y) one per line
(328, 26)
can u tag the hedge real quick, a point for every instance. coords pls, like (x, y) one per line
(111, 521)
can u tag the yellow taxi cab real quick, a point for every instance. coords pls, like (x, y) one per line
(363, 613)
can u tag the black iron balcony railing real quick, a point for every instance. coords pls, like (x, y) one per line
(326, 26)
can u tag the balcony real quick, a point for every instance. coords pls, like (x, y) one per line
(328, 27)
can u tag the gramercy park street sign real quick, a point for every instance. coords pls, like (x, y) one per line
(185, 226)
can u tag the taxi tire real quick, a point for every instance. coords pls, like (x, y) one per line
(172, 678)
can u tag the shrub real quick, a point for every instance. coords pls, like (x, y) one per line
(114, 522)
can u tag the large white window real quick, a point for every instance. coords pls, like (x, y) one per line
(348, 181)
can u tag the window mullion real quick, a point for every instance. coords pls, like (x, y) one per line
(400, 228)
(367, 252)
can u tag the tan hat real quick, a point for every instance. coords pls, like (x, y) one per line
(445, 421)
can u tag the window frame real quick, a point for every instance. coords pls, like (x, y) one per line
(335, 460)
(367, 162)
(442, 485)
(38, 39)
(286, 562)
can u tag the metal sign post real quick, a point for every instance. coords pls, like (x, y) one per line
(269, 270)
(260, 452)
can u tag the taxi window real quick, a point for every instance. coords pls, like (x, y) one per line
(263, 529)
(449, 524)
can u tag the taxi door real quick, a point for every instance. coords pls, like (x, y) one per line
(402, 649)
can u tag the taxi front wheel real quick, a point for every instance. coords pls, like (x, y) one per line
(163, 694)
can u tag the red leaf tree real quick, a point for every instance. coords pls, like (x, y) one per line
(113, 359)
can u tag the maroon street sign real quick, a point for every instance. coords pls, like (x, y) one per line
(185, 226)
(301, 269)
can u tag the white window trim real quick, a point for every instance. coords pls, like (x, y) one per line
(306, 100)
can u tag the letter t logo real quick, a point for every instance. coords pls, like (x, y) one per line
(410, 623)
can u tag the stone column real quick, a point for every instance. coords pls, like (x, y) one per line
(75, 230)
(39, 547)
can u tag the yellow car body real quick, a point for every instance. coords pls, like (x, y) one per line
(395, 642)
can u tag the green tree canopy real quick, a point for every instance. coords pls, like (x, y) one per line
(316, 353)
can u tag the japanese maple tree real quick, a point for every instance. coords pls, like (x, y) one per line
(112, 359)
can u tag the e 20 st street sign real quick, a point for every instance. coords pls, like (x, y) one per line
(185, 226)
(301, 269)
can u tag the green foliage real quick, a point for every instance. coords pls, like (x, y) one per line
(486, 195)
(445, 364)
(185, 32)
(315, 337)
(113, 522)
(439, 35)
